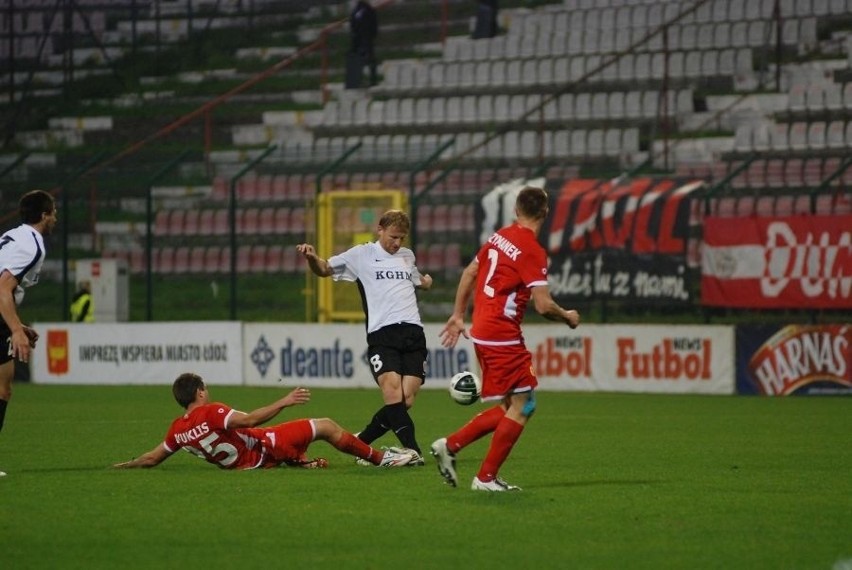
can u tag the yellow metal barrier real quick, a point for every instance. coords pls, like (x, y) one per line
(344, 219)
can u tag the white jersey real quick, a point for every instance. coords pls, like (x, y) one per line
(21, 254)
(386, 283)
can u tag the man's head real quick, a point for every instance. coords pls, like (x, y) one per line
(532, 204)
(393, 227)
(185, 388)
(38, 208)
(85, 285)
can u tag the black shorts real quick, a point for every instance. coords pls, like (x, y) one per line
(398, 348)
(5, 343)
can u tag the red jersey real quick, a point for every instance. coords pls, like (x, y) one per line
(203, 431)
(511, 263)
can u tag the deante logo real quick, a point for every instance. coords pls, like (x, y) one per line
(262, 356)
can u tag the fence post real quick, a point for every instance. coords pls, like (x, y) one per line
(149, 245)
(63, 214)
(412, 194)
(232, 219)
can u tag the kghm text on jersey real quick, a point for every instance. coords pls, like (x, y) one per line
(389, 274)
(505, 246)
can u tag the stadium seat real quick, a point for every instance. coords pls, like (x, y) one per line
(164, 261)
(181, 260)
(440, 218)
(221, 222)
(247, 188)
(290, 260)
(257, 259)
(745, 205)
(274, 258)
(161, 223)
(196, 259)
(213, 259)
(243, 259)
(265, 188)
(784, 205)
(297, 221)
(424, 218)
(190, 222)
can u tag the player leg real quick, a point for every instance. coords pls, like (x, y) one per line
(396, 410)
(507, 372)
(506, 434)
(328, 430)
(381, 360)
(411, 355)
(378, 426)
(481, 425)
(7, 373)
(387, 356)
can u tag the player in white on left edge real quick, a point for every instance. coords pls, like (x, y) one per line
(21, 256)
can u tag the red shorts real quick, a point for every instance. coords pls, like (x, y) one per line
(285, 442)
(506, 369)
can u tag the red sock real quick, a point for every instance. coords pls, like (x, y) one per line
(350, 444)
(482, 424)
(507, 433)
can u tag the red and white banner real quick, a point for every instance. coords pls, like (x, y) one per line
(765, 262)
(674, 359)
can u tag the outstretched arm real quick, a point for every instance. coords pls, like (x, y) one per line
(317, 264)
(256, 417)
(455, 324)
(150, 459)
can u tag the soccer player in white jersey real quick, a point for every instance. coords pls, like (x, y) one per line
(21, 256)
(387, 277)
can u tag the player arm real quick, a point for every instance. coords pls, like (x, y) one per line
(149, 459)
(550, 309)
(318, 265)
(9, 311)
(454, 328)
(465, 289)
(424, 279)
(264, 414)
(425, 282)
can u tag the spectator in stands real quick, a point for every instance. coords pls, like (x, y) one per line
(82, 306)
(486, 19)
(363, 27)
(231, 439)
(396, 344)
(21, 257)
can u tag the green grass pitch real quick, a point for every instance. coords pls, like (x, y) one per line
(610, 481)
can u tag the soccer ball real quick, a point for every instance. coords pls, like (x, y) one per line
(465, 388)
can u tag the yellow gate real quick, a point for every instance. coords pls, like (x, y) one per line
(344, 219)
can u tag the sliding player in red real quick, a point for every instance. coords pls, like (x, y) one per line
(230, 439)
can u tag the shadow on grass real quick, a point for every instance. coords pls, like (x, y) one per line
(600, 483)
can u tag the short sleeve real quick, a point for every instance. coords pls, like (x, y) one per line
(345, 265)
